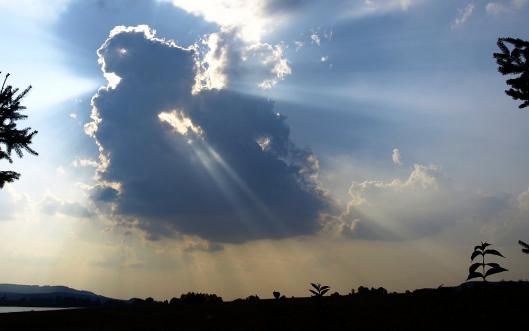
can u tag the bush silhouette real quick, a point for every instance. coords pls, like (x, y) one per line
(13, 139)
(514, 62)
(194, 298)
(319, 290)
(253, 298)
(491, 268)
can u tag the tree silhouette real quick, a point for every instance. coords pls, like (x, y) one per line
(492, 268)
(514, 62)
(11, 138)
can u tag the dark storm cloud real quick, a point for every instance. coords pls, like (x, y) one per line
(233, 176)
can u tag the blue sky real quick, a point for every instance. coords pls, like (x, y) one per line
(348, 136)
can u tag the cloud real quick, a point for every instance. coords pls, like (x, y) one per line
(245, 25)
(85, 163)
(256, 19)
(247, 16)
(315, 39)
(424, 204)
(238, 51)
(464, 15)
(53, 205)
(226, 58)
(395, 157)
(175, 163)
(500, 7)
(12, 203)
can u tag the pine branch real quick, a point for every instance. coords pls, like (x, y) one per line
(514, 62)
(8, 177)
(12, 138)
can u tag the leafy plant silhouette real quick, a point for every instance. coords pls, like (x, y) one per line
(13, 139)
(514, 62)
(525, 246)
(492, 268)
(319, 290)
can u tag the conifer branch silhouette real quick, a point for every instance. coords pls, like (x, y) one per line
(515, 62)
(525, 246)
(11, 138)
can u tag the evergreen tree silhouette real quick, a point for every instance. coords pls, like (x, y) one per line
(525, 246)
(514, 62)
(11, 138)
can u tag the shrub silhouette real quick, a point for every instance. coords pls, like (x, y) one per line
(362, 290)
(319, 290)
(13, 139)
(335, 295)
(492, 268)
(278, 296)
(515, 63)
(525, 246)
(253, 298)
(198, 298)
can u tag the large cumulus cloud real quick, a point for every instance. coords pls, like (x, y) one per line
(215, 164)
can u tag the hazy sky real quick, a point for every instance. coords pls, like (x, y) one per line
(240, 147)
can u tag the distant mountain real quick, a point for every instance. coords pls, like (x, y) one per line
(55, 296)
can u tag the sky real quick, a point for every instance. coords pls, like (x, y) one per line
(242, 147)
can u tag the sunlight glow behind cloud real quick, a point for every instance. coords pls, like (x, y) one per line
(180, 122)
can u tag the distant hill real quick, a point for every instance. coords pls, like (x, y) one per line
(49, 296)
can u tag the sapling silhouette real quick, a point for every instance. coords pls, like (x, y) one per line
(13, 139)
(525, 246)
(276, 294)
(319, 290)
(514, 62)
(492, 268)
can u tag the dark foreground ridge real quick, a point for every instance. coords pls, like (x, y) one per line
(476, 305)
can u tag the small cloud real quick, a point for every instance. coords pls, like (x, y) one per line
(85, 163)
(464, 15)
(315, 39)
(298, 44)
(72, 115)
(499, 7)
(495, 8)
(324, 58)
(53, 205)
(396, 157)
